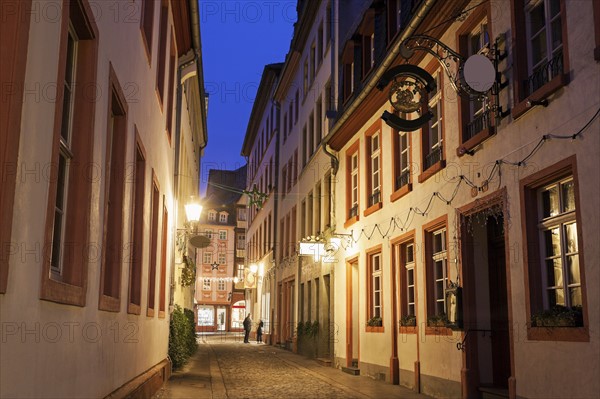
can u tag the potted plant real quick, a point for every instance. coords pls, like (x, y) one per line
(408, 320)
(558, 316)
(439, 320)
(375, 322)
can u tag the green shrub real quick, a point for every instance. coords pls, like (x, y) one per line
(182, 336)
(558, 316)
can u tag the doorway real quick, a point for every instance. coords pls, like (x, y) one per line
(352, 327)
(487, 356)
(221, 319)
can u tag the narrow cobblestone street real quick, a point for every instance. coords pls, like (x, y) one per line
(225, 367)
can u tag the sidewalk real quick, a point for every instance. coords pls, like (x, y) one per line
(201, 377)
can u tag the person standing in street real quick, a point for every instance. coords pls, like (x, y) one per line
(247, 327)
(259, 331)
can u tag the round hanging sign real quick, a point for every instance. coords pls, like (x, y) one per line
(479, 73)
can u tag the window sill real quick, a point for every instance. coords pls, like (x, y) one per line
(543, 92)
(109, 303)
(401, 192)
(372, 209)
(408, 330)
(374, 329)
(475, 141)
(150, 312)
(132, 308)
(432, 170)
(351, 221)
(161, 314)
(59, 292)
(569, 334)
(438, 331)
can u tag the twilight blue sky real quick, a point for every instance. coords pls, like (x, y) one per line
(239, 37)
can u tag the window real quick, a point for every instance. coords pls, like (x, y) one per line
(318, 227)
(291, 114)
(15, 31)
(296, 105)
(408, 286)
(320, 47)
(311, 135)
(305, 86)
(114, 192)
(64, 275)
(222, 234)
(304, 146)
(539, 32)
(284, 175)
(309, 215)
(402, 159)
(436, 264)
(206, 284)
(222, 258)
(285, 127)
(394, 18)
(147, 23)
(319, 121)
(222, 217)
(374, 285)
(313, 62)
(241, 241)
(367, 32)
(352, 181)
(212, 216)
(241, 214)
(329, 23)
(135, 275)
(553, 234)
(208, 258)
(476, 119)
(432, 133)
(347, 72)
(163, 263)
(162, 51)
(208, 233)
(373, 141)
(171, 89)
(240, 272)
(153, 247)
(221, 285)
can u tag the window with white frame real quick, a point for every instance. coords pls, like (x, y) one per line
(375, 285)
(544, 41)
(223, 217)
(409, 266)
(212, 216)
(375, 189)
(241, 213)
(221, 285)
(560, 251)
(222, 258)
(241, 241)
(353, 185)
(433, 145)
(222, 234)
(403, 176)
(206, 284)
(439, 258)
(478, 42)
(240, 271)
(208, 233)
(208, 258)
(64, 157)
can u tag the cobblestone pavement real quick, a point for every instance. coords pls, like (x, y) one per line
(225, 367)
(258, 371)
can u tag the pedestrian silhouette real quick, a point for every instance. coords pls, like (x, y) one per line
(259, 331)
(247, 327)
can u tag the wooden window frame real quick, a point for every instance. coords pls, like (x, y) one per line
(147, 26)
(529, 188)
(370, 310)
(138, 201)
(464, 111)
(114, 197)
(162, 53)
(396, 169)
(153, 248)
(428, 231)
(14, 35)
(367, 34)
(433, 69)
(353, 149)
(72, 287)
(520, 58)
(172, 87)
(347, 64)
(399, 258)
(375, 129)
(163, 261)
